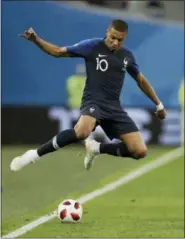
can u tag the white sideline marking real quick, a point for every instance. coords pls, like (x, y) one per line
(164, 159)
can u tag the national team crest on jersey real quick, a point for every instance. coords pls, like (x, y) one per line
(125, 64)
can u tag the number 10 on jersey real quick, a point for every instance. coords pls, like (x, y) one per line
(102, 65)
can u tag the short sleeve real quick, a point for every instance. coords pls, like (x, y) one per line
(83, 48)
(133, 68)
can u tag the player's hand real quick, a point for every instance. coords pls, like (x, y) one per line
(161, 114)
(30, 34)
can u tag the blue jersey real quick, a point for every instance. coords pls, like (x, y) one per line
(105, 71)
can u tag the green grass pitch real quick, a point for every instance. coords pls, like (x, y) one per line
(150, 206)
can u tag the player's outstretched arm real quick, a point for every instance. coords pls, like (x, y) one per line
(47, 47)
(145, 86)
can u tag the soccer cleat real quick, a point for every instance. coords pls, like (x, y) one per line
(21, 161)
(92, 150)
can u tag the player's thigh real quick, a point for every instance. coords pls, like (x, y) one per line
(85, 126)
(90, 114)
(132, 137)
(126, 130)
(119, 124)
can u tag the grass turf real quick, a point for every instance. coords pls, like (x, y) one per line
(38, 189)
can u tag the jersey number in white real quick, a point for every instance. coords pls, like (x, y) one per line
(102, 65)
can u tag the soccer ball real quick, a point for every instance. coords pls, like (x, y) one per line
(69, 211)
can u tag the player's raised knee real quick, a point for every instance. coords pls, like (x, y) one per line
(82, 132)
(84, 126)
(140, 152)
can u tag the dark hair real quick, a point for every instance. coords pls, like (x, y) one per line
(119, 25)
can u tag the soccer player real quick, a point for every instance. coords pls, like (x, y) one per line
(106, 64)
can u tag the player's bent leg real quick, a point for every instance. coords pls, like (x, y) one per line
(135, 144)
(82, 129)
(62, 139)
(125, 129)
(132, 146)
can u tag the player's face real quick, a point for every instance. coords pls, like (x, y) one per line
(114, 39)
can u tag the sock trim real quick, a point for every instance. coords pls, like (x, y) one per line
(54, 143)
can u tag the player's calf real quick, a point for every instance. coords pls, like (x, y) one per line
(62, 139)
(94, 148)
(122, 150)
(66, 137)
(81, 131)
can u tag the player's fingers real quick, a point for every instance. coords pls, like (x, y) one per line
(22, 35)
(162, 115)
(31, 29)
(159, 114)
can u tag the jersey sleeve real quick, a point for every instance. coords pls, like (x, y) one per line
(83, 48)
(133, 68)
